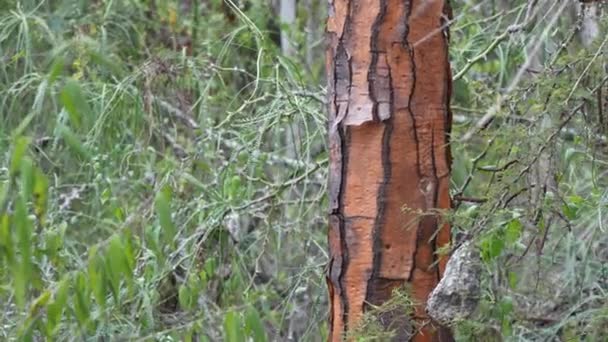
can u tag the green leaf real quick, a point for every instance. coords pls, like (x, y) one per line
(512, 276)
(82, 306)
(19, 150)
(52, 244)
(26, 330)
(185, 298)
(40, 191)
(39, 303)
(116, 265)
(513, 231)
(163, 210)
(210, 266)
(192, 180)
(4, 197)
(505, 308)
(129, 252)
(6, 240)
(152, 241)
(491, 247)
(119, 214)
(233, 330)
(24, 272)
(96, 276)
(569, 211)
(55, 309)
(235, 186)
(56, 69)
(27, 178)
(572, 208)
(74, 102)
(104, 61)
(576, 200)
(254, 326)
(74, 142)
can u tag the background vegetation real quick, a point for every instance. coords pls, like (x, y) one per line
(163, 172)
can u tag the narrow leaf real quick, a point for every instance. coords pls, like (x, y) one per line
(163, 210)
(74, 102)
(233, 330)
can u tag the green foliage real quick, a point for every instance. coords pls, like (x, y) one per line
(526, 171)
(151, 182)
(163, 173)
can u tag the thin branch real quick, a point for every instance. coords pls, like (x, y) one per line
(494, 110)
(471, 62)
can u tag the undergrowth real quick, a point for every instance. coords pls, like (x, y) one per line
(164, 173)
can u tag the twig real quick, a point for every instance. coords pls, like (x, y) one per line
(493, 111)
(497, 169)
(597, 53)
(471, 62)
(280, 188)
(530, 14)
(470, 199)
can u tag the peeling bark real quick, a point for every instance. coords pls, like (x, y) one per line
(389, 85)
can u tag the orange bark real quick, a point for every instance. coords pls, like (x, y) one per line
(389, 90)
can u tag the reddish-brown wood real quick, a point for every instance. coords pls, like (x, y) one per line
(389, 90)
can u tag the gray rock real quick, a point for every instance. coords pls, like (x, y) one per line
(457, 294)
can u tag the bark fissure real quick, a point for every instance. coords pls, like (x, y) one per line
(389, 84)
(379, 86)
(374, 77)
(411, 53)
(340, 70)
(343, 240)
(433, 243)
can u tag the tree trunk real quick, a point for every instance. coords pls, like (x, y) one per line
(287, 16)
(389, 85)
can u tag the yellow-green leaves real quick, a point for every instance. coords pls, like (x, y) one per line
(55, 308)
(97, 278)
(233, 327)
(19, 150)
(253, 325)
(232, 187)
(80, 117)
(40, 193)
(162, 205)
(6, 239)
(572, 206)
(493, 244)
(117, 265)
(81, 300)
(27, 178)
(19, 245)
(513, 231)
(73, 100)
(40, 302)
(22, 268)
(56, 69)
(246, 326)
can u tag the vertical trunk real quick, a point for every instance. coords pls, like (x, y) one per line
(589, 30)
(389, 88)
(287, 16)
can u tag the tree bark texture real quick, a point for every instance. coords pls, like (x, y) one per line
(389, 85)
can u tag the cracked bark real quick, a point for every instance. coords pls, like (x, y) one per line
(389, 88)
